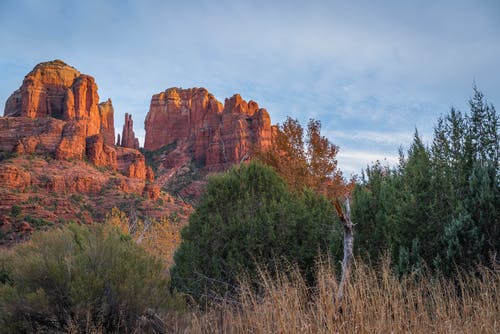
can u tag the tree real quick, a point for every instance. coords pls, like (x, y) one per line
(246, 219)
(440, 205)
(160, 237)
(305, 160)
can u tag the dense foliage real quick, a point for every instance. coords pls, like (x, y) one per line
(247, 218)
(441, 205)
(80, 279)
(305, 158)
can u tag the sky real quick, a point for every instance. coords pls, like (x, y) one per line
(371, 71)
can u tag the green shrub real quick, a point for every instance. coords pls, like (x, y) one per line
(37, 222)
(247, 218)
(15, 211)
(83, 279)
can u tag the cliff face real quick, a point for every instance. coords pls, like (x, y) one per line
(56, 111)
(54, 89)
(58, 159)
(107, 116)
(215, 135)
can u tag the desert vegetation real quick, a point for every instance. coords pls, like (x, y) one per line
(376, 301)
(263, 248)
(81, 279)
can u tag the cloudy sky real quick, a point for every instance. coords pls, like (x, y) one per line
(371, 71)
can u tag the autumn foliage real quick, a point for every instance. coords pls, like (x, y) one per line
(159, 237)
(306, 159)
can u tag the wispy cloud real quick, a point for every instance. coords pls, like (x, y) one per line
(351, 162)
(372, 69)
(395, 138)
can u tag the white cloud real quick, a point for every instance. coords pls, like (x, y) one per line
(361, 66)
(351, 162)
(390, 138)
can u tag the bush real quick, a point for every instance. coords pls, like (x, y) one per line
(247, 218)
(15, 211)
(81, 279)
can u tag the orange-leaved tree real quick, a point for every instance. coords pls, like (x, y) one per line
(306, 159)
(159, 237)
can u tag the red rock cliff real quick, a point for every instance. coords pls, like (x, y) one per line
(215, 135)
(56, 112)
(54, 89)
(107, 115)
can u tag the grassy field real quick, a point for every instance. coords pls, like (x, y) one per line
(376, 302)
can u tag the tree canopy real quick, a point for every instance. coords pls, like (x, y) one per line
(248, 218)
(440, 206)
(305, 159)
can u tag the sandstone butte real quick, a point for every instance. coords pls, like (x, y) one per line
(197, 128)
(56, 112)
(57, 142)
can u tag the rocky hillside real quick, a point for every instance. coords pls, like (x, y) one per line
(59, 161)
(190, 134)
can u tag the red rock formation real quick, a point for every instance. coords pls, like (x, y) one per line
(57, 90)
(151, 191)
(131, 162)
(150, 174)
(99, 153)
(43, 91)
(215, 136)
(128, 136)
(176, 114)
(28, 135)
(55, 114)
(107, 115)
(72, 145)
(13, 177)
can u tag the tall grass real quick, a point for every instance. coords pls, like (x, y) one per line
(376, 301)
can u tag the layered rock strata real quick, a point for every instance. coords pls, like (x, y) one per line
(56, 112)
(214, 135)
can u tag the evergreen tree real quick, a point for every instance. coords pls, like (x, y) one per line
(441, 204)
(247, 218)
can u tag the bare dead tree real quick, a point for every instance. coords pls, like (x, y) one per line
(135, 228)
(345, 218)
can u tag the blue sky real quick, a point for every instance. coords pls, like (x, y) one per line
(371, 71)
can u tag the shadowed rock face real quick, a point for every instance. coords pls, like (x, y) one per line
(215, 135)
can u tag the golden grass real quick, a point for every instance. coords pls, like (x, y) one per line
(376, 301)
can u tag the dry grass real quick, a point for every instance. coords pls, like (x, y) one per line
(376, 302)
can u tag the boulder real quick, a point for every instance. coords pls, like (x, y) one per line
(99, 153)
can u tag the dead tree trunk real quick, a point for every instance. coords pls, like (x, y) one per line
(345, 218)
